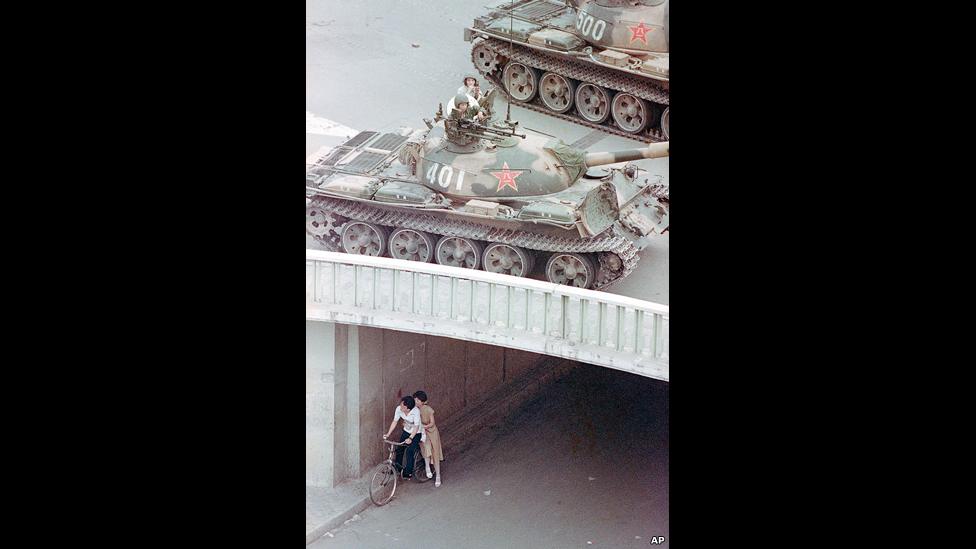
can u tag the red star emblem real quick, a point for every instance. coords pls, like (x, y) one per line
(506, 177)
(639, 32)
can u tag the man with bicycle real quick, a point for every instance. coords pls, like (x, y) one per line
(412, 432)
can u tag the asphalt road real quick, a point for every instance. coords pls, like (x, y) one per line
(585, 465)
(362, 71)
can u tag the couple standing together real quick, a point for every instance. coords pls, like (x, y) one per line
(419, 431)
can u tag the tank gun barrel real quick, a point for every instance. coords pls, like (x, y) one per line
(654, 150)
(473, 128)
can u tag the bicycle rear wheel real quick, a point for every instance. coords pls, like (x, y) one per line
(419, 469)
(383, 484)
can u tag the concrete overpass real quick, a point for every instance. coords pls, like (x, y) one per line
(583, 325)
(378, 328)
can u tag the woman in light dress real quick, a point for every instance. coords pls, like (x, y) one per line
(431, 445)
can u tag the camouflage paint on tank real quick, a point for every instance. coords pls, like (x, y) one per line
(621, 25)
(614, 24)
(529, 168)
(599, 221)
(553, 46)
(534, 180)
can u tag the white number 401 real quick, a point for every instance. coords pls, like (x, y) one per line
(444, 178)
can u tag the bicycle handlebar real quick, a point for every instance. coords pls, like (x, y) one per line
(395, 443)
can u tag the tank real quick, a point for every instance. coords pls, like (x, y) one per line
(600, 63)
(484, 196)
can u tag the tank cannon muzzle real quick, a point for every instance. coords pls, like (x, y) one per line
(654, 150)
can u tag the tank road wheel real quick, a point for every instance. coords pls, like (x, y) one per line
(521, 81)
(505, 259)
(411, 245)
(323, 225)
(557, 92)
(459, 252)
(630, 113)
(665, 123)
(485, 60)
(592, 102)
(364, 238)
(571, 270)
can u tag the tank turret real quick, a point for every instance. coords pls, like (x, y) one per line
(493, 161)
(638, 26)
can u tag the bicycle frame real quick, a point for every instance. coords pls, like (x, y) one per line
(392, 454)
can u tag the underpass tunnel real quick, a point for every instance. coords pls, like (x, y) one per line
(587, 458)
(564, 449)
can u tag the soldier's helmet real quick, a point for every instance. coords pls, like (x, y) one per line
(464, 82)
(461, 98)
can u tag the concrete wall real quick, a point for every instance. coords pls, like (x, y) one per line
(319, 403)
(367, 370)
(455, 375)
(347, 393)
(374, 407)
(332, 384)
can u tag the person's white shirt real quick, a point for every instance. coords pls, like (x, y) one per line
(411, 420)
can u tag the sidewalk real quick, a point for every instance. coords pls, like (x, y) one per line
(328, 508)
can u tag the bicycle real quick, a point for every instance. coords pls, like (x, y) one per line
(384, 482)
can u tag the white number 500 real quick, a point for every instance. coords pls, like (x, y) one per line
(585, 24)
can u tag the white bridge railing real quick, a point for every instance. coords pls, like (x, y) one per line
(589, 326)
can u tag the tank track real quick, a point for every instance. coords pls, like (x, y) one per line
(593, 74)
(609, 242)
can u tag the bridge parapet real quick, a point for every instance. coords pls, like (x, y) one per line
(595, 327)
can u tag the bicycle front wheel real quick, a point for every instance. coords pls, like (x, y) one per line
(383, 484)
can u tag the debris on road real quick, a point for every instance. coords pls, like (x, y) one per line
(487, 492)
(353, 519)
(416, 45)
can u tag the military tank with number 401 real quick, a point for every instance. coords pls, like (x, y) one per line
(484, 196)
(600, 63)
